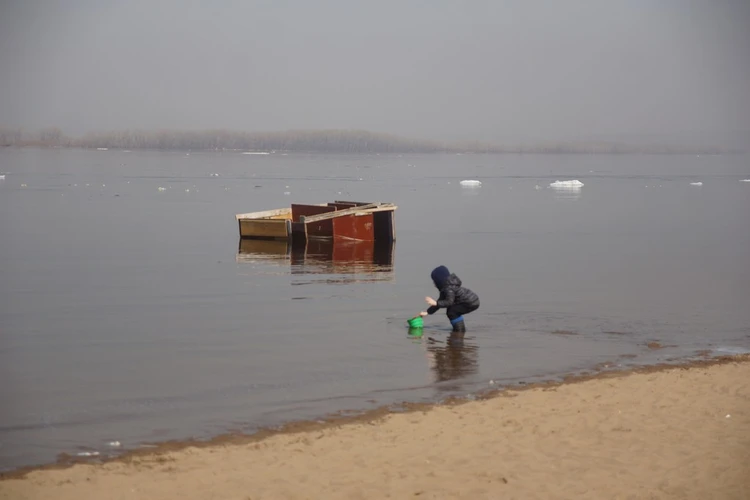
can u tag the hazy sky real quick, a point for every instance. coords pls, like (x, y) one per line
(491, 70)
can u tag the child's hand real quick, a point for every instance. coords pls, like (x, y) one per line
(430, 301)
(423, 313)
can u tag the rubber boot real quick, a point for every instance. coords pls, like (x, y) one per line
(459, 327)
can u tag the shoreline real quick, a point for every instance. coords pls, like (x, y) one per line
(344, 418)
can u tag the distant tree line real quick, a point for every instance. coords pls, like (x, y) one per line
(314, 141)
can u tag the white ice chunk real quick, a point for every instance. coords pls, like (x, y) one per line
(88, 454)
(471, 183)
(162, 189)
(696, 183)
(2, 177)
(115, 444)
(745, 180)
(256, 153)
(567, 184)
(102, 149)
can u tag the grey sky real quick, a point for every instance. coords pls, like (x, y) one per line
(491, 70)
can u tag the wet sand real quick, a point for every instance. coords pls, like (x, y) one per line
(659, 432)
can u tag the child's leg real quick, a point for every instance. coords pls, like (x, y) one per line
(458, 310)
(455, 315)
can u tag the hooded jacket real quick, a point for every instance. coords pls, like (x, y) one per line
(451, 290)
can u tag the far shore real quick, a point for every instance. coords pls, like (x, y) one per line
(503, 152)
(343, 141)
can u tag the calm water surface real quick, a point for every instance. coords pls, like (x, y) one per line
(135, 314)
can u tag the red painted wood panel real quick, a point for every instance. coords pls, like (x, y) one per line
(354, 227)
(307, 210)
(321, 229)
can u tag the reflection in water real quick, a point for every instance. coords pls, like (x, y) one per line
(567, 192)
(262, 250)
(470, 191)
(415, 333)
(453, 360)
(350, 260)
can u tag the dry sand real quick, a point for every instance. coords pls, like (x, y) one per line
(666, 433)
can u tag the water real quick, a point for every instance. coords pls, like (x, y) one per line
(133, 314)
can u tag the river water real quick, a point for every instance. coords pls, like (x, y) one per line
(135, 314)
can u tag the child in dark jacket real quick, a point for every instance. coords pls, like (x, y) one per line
(455, 298)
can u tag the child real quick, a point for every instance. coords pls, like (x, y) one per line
(457, 299)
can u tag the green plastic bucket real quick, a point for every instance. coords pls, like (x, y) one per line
(416, 322)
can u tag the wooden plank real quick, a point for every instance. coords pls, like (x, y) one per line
(337, 213)
(300, 210)
(265, 214)
(264, 228)
(357, 203)
(382, 208)
(341, 206)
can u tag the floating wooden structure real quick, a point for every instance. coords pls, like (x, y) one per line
(346, 220)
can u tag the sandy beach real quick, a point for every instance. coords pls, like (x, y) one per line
(667, 432)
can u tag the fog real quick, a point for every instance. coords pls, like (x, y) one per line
(501, 71)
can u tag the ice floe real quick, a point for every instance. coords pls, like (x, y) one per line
(471, 183)
(696, 183)
(574, 184)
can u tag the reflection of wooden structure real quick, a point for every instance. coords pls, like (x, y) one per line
(322, 256)
(340, 220)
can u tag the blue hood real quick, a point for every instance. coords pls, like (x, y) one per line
(440, 276)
